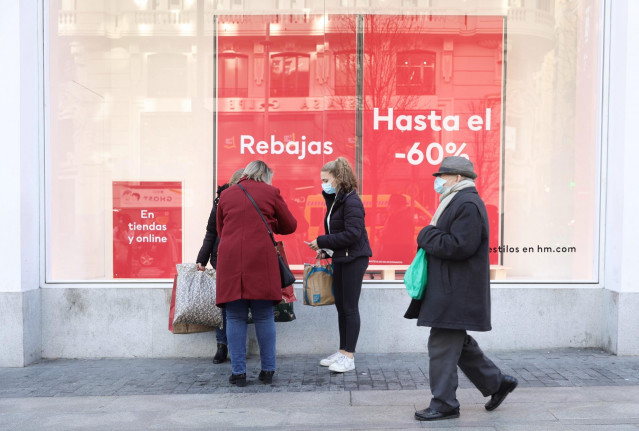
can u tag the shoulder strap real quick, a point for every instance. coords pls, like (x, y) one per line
(260, 213)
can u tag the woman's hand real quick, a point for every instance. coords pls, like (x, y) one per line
(200, 267)
(313, 245)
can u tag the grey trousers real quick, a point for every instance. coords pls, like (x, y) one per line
(449, 348)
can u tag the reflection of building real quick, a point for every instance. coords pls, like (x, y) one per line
(543, 123)
(294, 78)
(532, 18)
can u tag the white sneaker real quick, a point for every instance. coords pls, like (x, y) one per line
(343, 364)
(327, 362)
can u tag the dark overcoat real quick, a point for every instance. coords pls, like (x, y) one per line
(247, 265)
(211, 241)
(346, 235)
(458, 287)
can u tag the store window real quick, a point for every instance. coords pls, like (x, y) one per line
(152, 104)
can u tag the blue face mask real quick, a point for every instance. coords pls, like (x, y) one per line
(328, 188)
(439, 185)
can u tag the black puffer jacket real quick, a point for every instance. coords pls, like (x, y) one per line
(347, 235)
(458, 287)
(208, 251)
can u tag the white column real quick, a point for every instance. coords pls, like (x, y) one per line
(621, 255)
(10, 126)
(20, 316)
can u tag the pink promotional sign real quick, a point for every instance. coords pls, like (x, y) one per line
(272, 83)
(147, 229)
(429, 87)
(445, 99)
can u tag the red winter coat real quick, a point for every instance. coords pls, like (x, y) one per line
(247, 266)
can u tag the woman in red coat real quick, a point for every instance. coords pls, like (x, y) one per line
(247, 267)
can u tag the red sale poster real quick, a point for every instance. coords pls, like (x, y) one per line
(392, 94)
(432, 88)
(147, 229)
(275, 88)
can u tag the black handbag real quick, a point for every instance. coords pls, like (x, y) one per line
(286, 276)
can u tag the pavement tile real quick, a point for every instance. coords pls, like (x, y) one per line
(621, 411)
(10, 421)
(301, 373)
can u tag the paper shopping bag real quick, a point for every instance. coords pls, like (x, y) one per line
(318, 284)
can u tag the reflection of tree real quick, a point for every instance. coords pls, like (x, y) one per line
(390, 54)
(484, 157)
(384, 38)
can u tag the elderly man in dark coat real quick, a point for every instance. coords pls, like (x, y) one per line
(457, 296)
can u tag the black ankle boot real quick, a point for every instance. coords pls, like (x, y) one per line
(221, 354)
(238, 379)
(266, 377)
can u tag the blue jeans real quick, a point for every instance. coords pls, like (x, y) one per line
(236, 317)
(220, 333)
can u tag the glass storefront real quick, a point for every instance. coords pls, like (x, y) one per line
(152, 103)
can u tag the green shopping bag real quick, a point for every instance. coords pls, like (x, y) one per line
(415, 276)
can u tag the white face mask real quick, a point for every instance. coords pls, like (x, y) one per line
(440, 185)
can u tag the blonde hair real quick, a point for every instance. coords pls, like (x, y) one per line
(235, 178)
(259, 171)
(341, 170)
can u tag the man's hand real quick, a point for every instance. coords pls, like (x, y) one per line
(200, 267)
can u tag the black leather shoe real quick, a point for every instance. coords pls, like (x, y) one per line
(221, 354)
(429, 414)
(507, 386)
(238, 379)
(266, 377)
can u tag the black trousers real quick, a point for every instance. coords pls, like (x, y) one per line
(347, 286)
(449, 348)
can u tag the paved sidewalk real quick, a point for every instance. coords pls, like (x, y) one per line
(566, 389)
(405, 371)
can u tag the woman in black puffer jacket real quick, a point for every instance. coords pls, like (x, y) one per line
(347, 239)
(208, 252)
